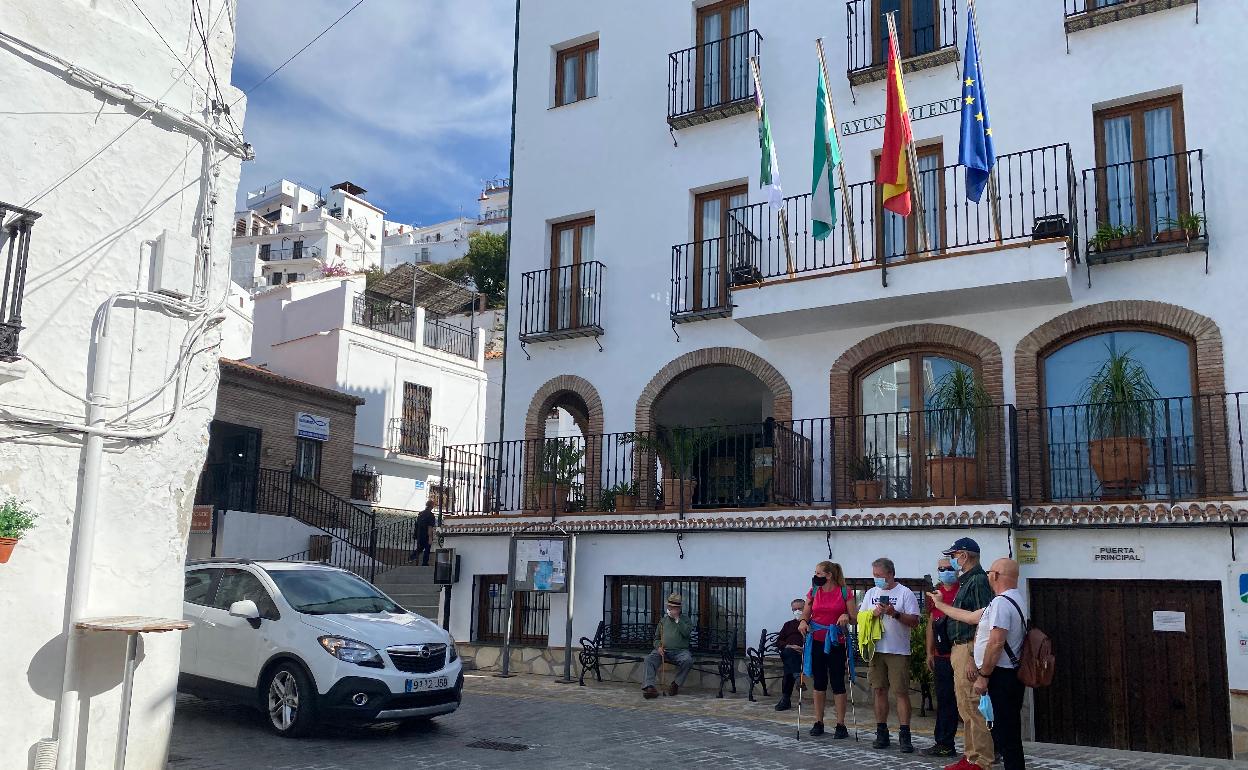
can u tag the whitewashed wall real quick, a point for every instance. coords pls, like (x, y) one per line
(86, 246)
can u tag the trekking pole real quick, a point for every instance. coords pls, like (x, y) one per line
(800, 686)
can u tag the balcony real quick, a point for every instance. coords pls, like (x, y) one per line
(703, 273)
(383, 315)
(1177, 450)
(927, 35)
(561, 303)
(416, 438)
(289, 253)
(1146, 208)
(712, 81)
(1085, 14)
(15, 226)
(1012, 251)
(449, 338)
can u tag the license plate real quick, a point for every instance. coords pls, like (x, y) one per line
(432, 683)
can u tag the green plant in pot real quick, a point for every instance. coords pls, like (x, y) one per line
(15, 521)
(1185, 226)
(959, 410)
(678, 448)
(560, 464)
(622, 497)
(1110, 237)
(1121, 415)
(866, 471)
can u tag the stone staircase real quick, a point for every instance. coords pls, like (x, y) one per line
(413, 588)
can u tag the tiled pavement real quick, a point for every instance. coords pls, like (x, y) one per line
(597, 726)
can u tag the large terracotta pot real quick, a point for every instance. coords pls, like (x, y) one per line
(868, 491)
(953, 477)
(6, 549)
(625, 503)
(544, 493)
(1121, 463)
(671, 493)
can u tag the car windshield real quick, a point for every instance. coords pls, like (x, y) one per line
(322, 592)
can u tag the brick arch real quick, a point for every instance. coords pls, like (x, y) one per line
(897, 340)
(675, 370)
(576, 394)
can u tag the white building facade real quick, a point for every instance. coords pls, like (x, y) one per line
(116, 297)
(442, 242)
(651, 289)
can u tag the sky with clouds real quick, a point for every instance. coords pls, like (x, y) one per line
(410, 99)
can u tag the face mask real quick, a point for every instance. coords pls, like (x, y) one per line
(818, 581)
(948, 576)
(797, 614)
(985, 707)
(880, 582)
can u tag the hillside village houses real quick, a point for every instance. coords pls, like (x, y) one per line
(120, 167)
(444, 241)
(747, 405)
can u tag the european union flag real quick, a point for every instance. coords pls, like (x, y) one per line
(975, 150)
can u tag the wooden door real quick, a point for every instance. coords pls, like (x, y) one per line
(723, 70)
(1122, 685)
(571, 245)
(710, 232)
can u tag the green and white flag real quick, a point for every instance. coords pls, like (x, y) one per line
(769, 171)
(827, 158)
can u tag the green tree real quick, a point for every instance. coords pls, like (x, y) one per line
(487, 266)
(456, 270)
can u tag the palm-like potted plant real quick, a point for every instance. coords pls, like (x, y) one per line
(1121, 404)
(623, 496)
(865, 471)
(1185, 226)
(678, 448)
(957, 418)
(557, 470)
(15, 521)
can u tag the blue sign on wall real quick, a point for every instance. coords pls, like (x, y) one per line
(420, 483)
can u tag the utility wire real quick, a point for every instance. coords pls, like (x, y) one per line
(265, 79)
(177, 57)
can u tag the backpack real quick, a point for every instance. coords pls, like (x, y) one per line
(1035, 662)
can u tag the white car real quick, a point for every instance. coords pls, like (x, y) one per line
(308, 643)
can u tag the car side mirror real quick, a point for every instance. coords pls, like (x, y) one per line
(245, 609)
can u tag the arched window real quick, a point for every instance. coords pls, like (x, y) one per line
(1068, 369)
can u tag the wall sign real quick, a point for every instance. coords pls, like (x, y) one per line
(1170, 621)
(311, 426)
(201, 518)
(1028, 550)
(876, 122)
(1236, 591)
(1118, 553)
(420, 483)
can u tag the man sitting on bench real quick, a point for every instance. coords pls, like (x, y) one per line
(671, 643)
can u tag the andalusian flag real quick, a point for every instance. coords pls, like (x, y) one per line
(769, 171)
(827, 158)
(894, 175)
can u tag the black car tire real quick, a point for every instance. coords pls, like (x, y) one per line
(289, 701)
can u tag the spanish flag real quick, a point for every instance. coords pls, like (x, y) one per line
(894, 177)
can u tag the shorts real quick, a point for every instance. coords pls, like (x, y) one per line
(890, 672)
(825, 667)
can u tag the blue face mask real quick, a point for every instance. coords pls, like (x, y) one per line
(880, 583)
(948, 576)
(985, 707)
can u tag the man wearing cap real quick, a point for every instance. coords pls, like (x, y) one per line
(974, 594)
(671, 643)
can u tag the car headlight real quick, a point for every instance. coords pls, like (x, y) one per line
(352, 651)
(454, 650)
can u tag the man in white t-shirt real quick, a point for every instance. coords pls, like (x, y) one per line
(998, 643)
(898, 610)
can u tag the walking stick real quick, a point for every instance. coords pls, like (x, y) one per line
(800, 686)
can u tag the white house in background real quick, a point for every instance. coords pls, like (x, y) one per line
(445, 241)
(816, 368)
(420, 373)
(290, 232)
(114, 511)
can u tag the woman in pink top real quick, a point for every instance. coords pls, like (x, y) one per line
(828, 603)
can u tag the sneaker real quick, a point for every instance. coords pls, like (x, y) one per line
(840, 732)
(903, 743)
(881, 741)
(672, 689)
(936, 750)
(649, 692)
(784, 705)
(816, 729)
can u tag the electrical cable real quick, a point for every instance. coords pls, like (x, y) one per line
(177, 57)
(265, 79)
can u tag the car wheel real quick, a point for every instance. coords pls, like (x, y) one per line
(290, 701)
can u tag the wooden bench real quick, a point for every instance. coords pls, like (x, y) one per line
(714, 650)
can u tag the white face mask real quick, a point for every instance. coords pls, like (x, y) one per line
(797, 614)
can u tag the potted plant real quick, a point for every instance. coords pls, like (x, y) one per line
(558, 468)
(15, 521)
(1120, 400)
(1180, 228)
(678, 448)
(622, 497)
(958, 415)
(865, 471)
(1112, 237)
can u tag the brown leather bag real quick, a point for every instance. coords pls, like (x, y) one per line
(1035, 662)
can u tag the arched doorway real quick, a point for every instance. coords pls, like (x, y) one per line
(563, 446)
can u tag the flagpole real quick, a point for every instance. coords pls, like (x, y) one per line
(911, 161)
(994, 200)
(846, 207)
(782, 216)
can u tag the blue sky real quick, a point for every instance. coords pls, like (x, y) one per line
(410, 99)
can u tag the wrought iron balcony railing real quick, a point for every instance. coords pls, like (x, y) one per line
(288, 253)
(449, 338)
(704, 272)
(413, 437)
(561, 303)
(712, 80)
(927, 35)
(383, 315)
(16, 224)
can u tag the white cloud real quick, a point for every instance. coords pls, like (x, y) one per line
(409, 98)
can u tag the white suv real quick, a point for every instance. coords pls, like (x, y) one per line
(307, 642)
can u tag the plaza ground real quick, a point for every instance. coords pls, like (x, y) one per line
(536, 722)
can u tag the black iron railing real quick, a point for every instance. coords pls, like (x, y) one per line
(290, 252)
(530, 618)
(367, 553)
(1035, 199)
(411, 437)
(228, 487)
(562, 302)
(1079, 7)
(15, 227)
(923, 27)
(365, 484)
(383, 315)
(704, 272)
(712, 80)
(449, 338)
(1143, 204)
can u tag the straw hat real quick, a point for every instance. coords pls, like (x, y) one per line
(674, 600)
